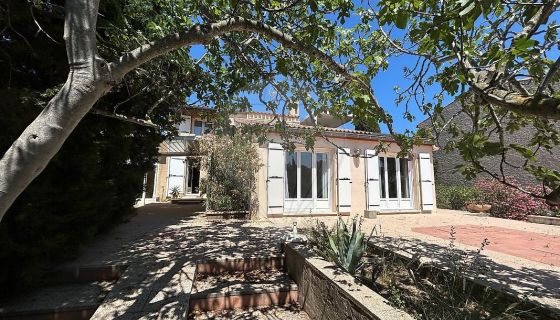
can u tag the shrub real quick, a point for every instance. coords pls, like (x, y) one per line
(508, 202)
(231, 164)
(456, 197)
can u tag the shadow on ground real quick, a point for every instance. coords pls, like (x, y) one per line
(162, 264)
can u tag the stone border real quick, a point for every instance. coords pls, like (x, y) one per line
(239, 264)
(555, 221)
(70, 275)
(326, 292)
(242, 299)
(65, 313)
(85, 274)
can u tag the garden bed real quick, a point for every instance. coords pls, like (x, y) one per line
(321, 284)
(455, 290)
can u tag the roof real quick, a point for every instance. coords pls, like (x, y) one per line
(330, 132)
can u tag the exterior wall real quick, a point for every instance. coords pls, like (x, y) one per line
(358, 172)
(260, 188)
(161, 183)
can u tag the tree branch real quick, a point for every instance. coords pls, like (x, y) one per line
(549, 76)
(145, 123)
(204, 33)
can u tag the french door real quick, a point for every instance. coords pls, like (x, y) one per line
(307, 182)
(394, 183)
(193, 176)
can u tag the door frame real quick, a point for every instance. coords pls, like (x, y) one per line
(401, 203)
(187, 175)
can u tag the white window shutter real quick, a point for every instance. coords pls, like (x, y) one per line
(275, 181)
(176, 174)
(344, 181)
(426, 181)
(372, 167)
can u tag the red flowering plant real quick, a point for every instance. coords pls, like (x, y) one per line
(510, 203)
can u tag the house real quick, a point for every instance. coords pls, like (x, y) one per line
(342, 173)
(445, 162)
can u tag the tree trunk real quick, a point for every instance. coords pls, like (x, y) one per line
(87, 82)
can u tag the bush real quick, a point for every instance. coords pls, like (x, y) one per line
(509, 202)
(456, 197)
(231, 164)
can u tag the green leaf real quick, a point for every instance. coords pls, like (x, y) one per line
(523, 44)
(401, 19)
(492, 148)
(524, 151)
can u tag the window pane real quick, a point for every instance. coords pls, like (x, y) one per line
(383, 192)
(405, 188)
(322, 176)
(306, 175)
(184, 125)
(198, 128)
(208, 127)
(392, 177)
(291, 175)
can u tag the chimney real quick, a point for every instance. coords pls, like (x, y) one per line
(294, 108)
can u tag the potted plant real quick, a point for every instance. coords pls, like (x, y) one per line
(478, 207)
(175, 192)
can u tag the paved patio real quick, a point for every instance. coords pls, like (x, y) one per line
(163, 242)
(527, 245)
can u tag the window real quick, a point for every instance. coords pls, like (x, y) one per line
(382, 191)
(392, 177)
(306, 191)
(307, 176)
(394, 180)
(322, 176)
(291, 175)
(405, 186)
(185, 125)
(198, 128)
(208, 127)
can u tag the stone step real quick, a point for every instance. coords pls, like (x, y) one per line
(213, 292)
(73, 301)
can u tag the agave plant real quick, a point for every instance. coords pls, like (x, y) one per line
(175, 192)
(342, 245)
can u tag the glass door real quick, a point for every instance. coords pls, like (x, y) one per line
(394, 183)
(193, 176)
(307, 182)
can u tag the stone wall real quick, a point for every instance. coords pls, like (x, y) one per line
(325, 292)
(446, 161)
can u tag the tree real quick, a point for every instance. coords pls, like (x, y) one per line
(496, 56)
(181, 24)
(95, 178)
